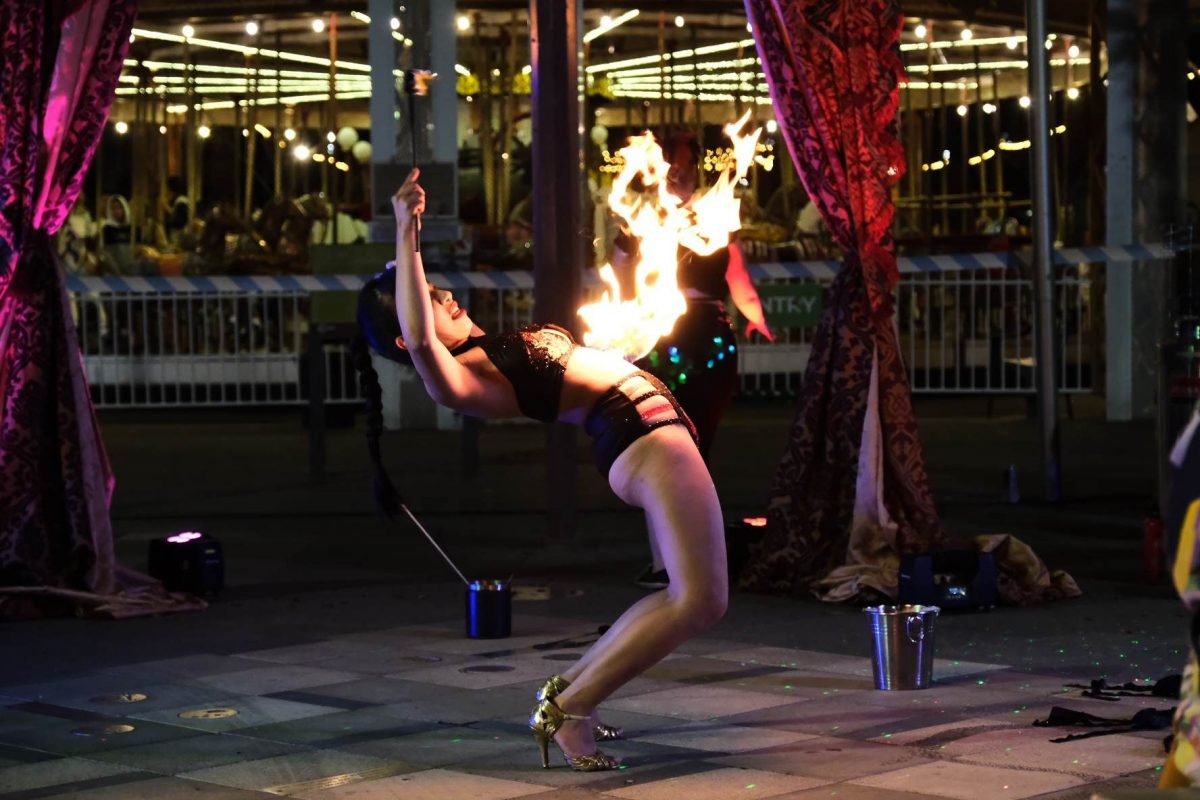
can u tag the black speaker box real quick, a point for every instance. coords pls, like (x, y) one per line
(188, 562)
(959, 579)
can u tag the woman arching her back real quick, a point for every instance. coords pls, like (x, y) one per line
(644, 444)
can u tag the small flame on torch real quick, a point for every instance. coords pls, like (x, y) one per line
(661, 222)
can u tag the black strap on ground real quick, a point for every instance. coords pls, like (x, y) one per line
(1147, 719)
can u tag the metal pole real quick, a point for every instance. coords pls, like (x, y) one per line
(1043, 238)
(555, 45)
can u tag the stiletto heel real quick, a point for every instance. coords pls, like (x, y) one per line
(554, 686)
(545, 721)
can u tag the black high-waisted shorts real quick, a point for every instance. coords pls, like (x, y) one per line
(615, 422)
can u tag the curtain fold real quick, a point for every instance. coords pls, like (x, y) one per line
(833, 69)
(59, 65)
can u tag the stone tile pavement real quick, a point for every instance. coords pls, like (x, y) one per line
(419, 712)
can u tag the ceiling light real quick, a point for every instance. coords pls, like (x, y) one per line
(162, 129)
(678, 22)
(463, 22)
(204, 131)
(252, 28)
(122, 127)
(605, 21)
(920, 31)
(1024, 101)
(289, 134)
(1073, 51)
(946, 156)
(772, 126)
(395, 23)
(301, 153)
(1073, 93)
(962, 110)
(1012, 43)
(188, 31)
(318, 25)
(331, 137)
(989, 108)
(966, 34)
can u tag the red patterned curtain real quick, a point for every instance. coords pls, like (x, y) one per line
(59, 65)
(850, 494)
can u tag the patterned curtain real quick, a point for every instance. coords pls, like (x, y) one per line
(59, 64)
(850, 494)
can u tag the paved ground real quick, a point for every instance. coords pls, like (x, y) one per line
(338, 641)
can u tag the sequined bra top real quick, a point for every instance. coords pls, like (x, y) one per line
(534, 359)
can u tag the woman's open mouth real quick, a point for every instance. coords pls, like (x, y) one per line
(457, 312)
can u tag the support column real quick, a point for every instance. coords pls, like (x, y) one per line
(429, 43)
(555, 45)
(1043, 245)
(382, 58)
(1119, 139)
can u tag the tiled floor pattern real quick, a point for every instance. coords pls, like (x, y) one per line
(421, 712)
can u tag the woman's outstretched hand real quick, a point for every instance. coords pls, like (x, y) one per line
(409, 201)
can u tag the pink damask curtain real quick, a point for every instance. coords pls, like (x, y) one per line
(850, 493)
(59, 65)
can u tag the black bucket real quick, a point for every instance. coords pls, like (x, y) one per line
(489, 610)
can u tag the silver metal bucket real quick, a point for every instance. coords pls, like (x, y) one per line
(902, 645)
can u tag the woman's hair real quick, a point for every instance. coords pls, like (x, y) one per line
(386, 496)
(378, 328)
(377, 320)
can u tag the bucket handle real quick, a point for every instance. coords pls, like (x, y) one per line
(908, 628)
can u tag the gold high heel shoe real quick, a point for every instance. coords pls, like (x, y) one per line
(554, 686)
(545, 721)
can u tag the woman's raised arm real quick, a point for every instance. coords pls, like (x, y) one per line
(448, 382)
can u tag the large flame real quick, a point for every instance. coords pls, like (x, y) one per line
(661, 222)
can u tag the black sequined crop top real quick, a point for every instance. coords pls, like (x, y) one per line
(534, 359)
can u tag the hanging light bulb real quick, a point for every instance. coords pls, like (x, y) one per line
(772, 126)
(920, 31)
(1073, 51)
(962, 110)
(967, 34)
(1013, 43)
(318, 25)
(301, 152)
(679, 22)
(605, 21)
(204, 131)
(162, 129)
(252, 28)
(989, 108)
(1073, 93)
(188, 31)
(395, 23)
(289, 134)
(122, 127)
(463, 22)
(1024, 101)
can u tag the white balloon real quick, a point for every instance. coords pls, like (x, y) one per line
(346, 137)
(361, 151)
(599, 135)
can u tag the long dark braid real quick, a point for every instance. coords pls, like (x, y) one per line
(386, 496)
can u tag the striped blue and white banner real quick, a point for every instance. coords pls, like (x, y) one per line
(819, 270)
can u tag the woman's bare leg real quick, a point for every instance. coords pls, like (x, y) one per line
(670, 481)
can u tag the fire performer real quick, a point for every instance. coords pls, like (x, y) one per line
(643, 441)
(698, 359)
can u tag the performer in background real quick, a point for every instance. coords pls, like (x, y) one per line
(642, 439)
(698, 360)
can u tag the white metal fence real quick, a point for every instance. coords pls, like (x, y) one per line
(965, 332)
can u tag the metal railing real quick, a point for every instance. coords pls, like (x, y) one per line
(960, 332)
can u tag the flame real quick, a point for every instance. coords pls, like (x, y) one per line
(661, 222)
